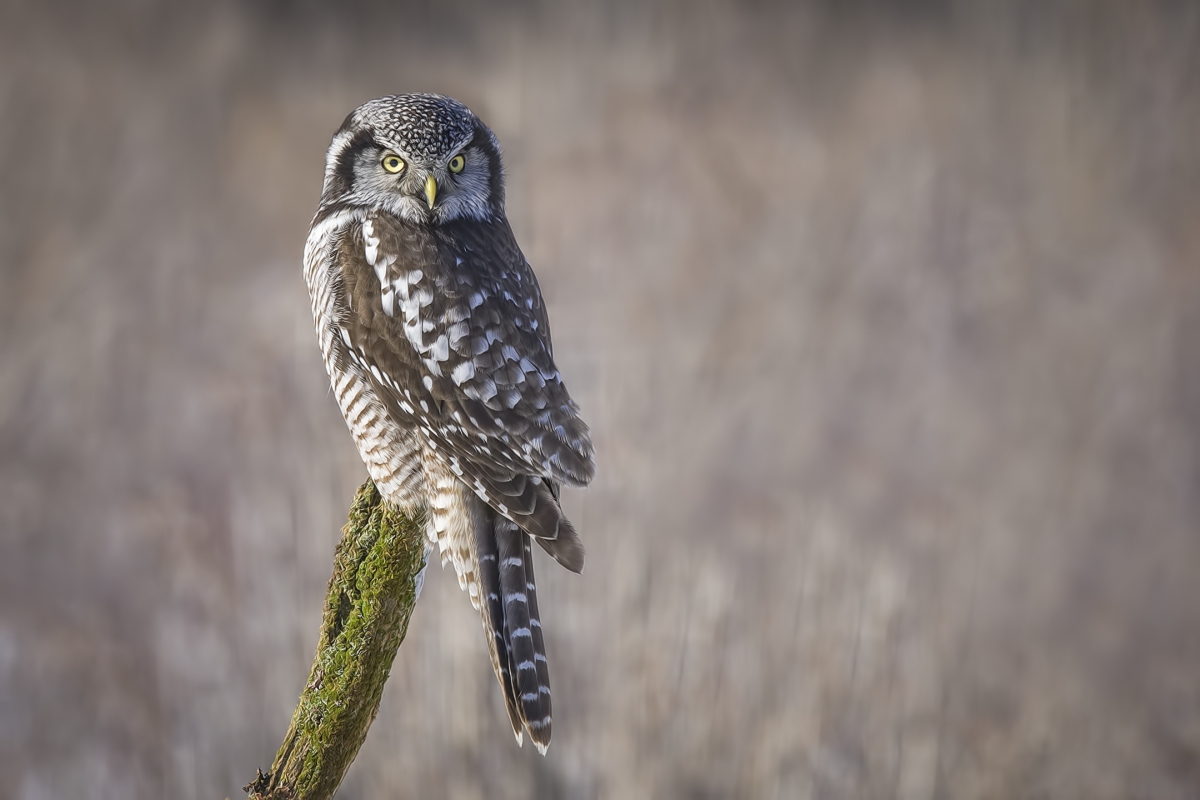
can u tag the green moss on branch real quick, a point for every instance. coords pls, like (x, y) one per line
(367, 608)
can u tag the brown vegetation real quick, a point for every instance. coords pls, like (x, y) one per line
(885, 317)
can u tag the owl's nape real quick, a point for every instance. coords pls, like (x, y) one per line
(437, 343)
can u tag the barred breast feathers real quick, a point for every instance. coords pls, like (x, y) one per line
(391, 453)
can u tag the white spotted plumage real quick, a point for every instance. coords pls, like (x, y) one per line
(436, 340)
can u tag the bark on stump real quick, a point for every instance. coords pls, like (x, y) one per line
(367, 608)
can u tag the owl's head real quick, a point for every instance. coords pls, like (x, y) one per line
(424, 157)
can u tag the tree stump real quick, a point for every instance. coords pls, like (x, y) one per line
(377, 567)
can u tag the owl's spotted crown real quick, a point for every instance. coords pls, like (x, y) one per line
(425, 126)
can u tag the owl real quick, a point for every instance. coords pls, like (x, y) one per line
(437, 344)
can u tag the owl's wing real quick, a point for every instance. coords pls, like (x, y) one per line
(450, 324)
(468, 305)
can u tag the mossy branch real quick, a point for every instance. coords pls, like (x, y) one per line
(367, 609)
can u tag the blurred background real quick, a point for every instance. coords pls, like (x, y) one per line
(885, 317)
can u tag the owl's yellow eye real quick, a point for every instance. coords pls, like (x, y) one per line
(393, 163)
(456, 164)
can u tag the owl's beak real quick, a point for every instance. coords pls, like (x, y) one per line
(430, 191)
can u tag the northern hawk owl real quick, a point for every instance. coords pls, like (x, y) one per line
(438, 348)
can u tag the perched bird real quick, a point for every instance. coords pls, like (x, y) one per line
(437, 344)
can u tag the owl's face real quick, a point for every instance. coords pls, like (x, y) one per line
(425, 158)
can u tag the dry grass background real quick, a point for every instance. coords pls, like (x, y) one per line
(886, 318)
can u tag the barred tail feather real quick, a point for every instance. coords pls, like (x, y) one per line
(539, 723)
(526, 652)
(532, 503)
(491, 610)
(493, 558)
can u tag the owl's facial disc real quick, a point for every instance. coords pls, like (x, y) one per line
(426, 159)
(429, 189)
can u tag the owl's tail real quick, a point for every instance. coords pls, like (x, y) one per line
(514, 629)
(494, 561)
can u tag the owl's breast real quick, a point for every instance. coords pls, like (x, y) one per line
(390, 448)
